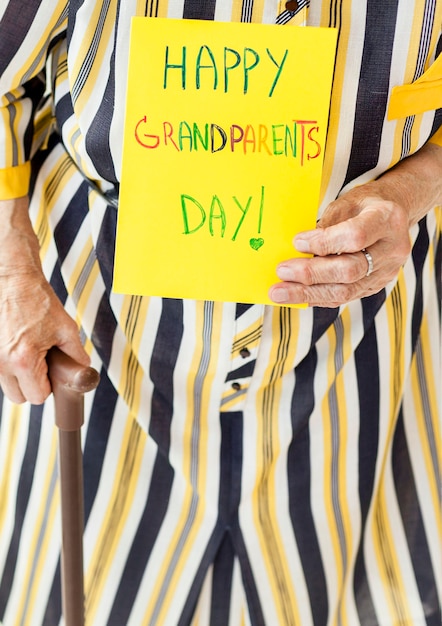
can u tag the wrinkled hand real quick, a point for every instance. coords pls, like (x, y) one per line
(338, 271)
(32, 318)
(377, 217)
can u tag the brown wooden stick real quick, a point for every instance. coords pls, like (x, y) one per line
(70, 381)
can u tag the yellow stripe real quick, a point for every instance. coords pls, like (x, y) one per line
(396, 314)
(281, 360)
(383, 534)
(343, 471)
(338, 82)
(54, 184)
(337, 386)
(84, 298)
(12, 437)
(328, 460)
(31, 581)
(132, 373)
(119, 506)
(88, 88)
(81, 260)
(387, 559)
(432, 478)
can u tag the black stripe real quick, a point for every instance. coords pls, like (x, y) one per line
(438, 266)
(438, 117)
(70, 223)
(366, 356)
(413, 525)
(241, 309)
(245, 371)
(57, 283)
(104, 330)
(419, 254)
(151, 8)
(74, 7)
(105, 246)
(162, 366)
(97, 435)
(64, 110)
(222, 581)
(373, 87)
(252, 595)
(299, 481)
(198, 580)
(23, 492)
(53, 610)
(16, 21)
(199, 9)
(323, 318)
(147, 533)
(247, 10)
(230, 457)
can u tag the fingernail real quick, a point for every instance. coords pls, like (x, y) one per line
(284, 272)
(279, 294)
(302, 245)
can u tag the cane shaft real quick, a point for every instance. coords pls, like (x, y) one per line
(70, 381)
(72, 513)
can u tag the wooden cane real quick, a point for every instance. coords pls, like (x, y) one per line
(69, 381)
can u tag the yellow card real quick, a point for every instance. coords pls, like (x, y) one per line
(223, 147)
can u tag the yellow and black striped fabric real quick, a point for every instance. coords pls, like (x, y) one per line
(244, 465)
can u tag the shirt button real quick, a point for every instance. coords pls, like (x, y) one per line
(292, 5)
(244, 352)
(236, 386)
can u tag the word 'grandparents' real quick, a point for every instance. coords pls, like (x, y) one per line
(296, 140)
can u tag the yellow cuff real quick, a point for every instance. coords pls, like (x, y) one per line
(425, 94)
(437, 137)
(14, 181)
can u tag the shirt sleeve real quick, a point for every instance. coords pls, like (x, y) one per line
(26, 32)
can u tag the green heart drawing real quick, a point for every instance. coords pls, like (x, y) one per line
(256, 243)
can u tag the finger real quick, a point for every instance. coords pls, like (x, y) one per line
(329, 295)
(33, 381)
(377, 220)
(11, 389)
(349, 236)
(345, 268)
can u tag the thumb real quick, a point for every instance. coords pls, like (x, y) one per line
(73, 347)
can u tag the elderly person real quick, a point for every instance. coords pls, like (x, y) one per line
(244, 464)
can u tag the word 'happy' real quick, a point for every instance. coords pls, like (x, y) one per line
(215, 72)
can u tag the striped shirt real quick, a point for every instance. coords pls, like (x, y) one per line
(244, 464)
